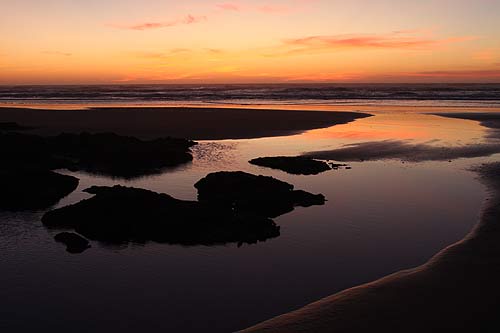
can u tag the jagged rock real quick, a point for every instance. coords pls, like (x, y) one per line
(104, 153)
(296, 165)
(336, 166)
(121, 214)
(12, 126)
(33, 189)
(261, 195)
(115, 155)
(74, 243)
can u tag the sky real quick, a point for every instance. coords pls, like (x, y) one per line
(248, 41)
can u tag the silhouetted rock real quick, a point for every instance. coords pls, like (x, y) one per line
(261, 195)
(12, 126)
(27, 152)
(336, 166)
(297, 165)
(33, 189)
(121, 156)
(105, 153)
(306, 199)
(74, 243)
(121, 214)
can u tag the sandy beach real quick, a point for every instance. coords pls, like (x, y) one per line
(315, 247)
(192, 123)
(456, 290)
(489, 120)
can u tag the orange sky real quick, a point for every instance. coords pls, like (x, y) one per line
(205, 41)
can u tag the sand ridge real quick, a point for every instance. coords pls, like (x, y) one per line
(190, 123)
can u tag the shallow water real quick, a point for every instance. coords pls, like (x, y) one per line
(380, 217)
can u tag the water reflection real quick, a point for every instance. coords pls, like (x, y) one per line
(380, 217)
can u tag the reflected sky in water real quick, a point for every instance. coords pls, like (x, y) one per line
(380, 217)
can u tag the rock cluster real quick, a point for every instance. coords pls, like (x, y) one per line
(297, 165)
(232, 207)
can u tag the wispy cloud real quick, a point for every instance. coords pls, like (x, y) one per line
(232, 6)
(488, 55)
(274, 9)
(399, 40)
(186, 20)
(57, 53)
(267, 8)
(184, 52)
(214, 51)
(390, 41)
(327, 77)
(458, 74)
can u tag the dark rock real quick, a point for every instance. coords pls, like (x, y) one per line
(33, 189)
(12, 126)
(297, 165)
(105, 153)
(23, 151)
(336, 166)
(121, 214)
(74, 243)
(232, 207)
(121, 156)
(306, 199)
(260, 195)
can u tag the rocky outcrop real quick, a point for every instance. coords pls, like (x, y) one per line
(12, 126)
(121, 156)
(296, 165)
(105, 153)
(261, 195)
(74, 243)
(33, 189)
(232, 207)
(120, 214)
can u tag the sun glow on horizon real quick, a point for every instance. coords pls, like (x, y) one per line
(272, 41)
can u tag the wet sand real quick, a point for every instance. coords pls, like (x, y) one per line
(192, 123)
(457, 290)
(405, 151)
(489, 120)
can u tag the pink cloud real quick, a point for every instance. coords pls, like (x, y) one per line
(274, 9)
(229, 6)
(214, 51)
(267, 8)
(396, 40)
(186, 20)
(371, 41)
(459, 74)
(58, 53)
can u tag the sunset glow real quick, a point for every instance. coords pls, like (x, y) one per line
(207, 41)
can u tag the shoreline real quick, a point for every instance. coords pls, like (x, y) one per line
(456, 290)
(191, 123)
(488, 120)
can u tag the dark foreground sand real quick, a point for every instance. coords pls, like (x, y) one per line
(405, 151)
(458, 290)
(191, 123)
(490, 120)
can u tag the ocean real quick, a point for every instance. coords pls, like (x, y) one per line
(462, 95)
